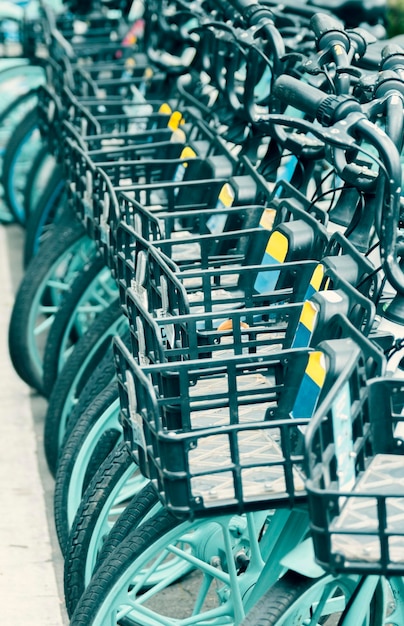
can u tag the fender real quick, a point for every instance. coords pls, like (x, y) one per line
(302, 560)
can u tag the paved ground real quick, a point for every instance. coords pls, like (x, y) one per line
(30, 562)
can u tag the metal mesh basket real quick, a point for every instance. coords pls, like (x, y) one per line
(356, 477)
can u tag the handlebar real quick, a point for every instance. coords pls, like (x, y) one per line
(329, 31)
(343, 115)
(326, 108)
(252, 11)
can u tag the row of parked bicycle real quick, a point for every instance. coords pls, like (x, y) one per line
(212, 304)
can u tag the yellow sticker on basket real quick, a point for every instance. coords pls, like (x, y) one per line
(306, 324)
(130, 62)
(148, 73)
(316, 368)
(187, 153)
(316, 280)
(308, 315)
(277, 246)
(226, 195)
(317, 277)
(165, 109)
(175, 120)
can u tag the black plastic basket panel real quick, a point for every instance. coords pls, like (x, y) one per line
(142, 144)
(138, 122)
(50, 117)
(149, 171)
(196, 183)
(100, 33)
(356, 477)
(78, 107)
(345, 299)
(185, 209)
(186, 249)
(125, 162)
(161, 338)
(220, 451)
(63, 55)
(225, 433)
(125, 120)
(341, 255)
(128, 123)
(96, 24)
(61, 116)
(370, 528)
(92, 178)
(153, 223)
(118, 119)
(149, 85)
(213, 284)
(292, 202)
(138, 126)
(104, 211)
(107, 70)
(170, 111)
(97, 60)
(192, 193)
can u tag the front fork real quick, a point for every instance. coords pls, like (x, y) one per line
(288, 529)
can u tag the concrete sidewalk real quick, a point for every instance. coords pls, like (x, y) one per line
(31, 566)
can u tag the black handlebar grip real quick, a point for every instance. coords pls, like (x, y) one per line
(392, 57)
(298, 94)
(326, 108)
(329, 31)
(322, 23)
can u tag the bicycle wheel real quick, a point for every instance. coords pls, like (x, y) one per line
(205, 557)
(21, 150)
(77, 370)
(91, 293)
(295, 600)
(10, 117)
(96, 433)
(38, 298)
(116, 493)
(47, 204)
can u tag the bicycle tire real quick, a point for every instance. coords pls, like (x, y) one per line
(161, 552)
(102, 375)
(283, 603)
(9, 119)
(23, 134)
(128, 520)
(91, 527)
(48, 207)
(31, 193)
(31, 296)
(73, 471)
(64, 332)
(119, 568)
(17, 100)
(87, 352)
